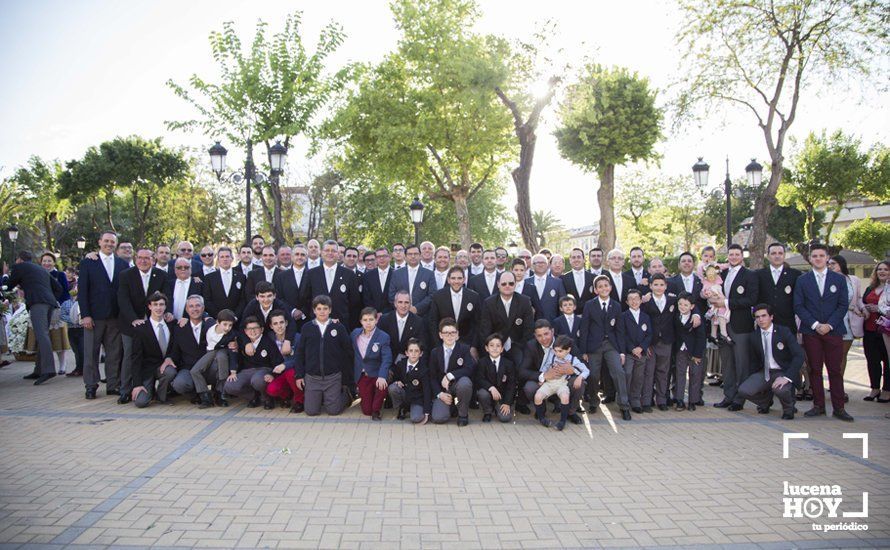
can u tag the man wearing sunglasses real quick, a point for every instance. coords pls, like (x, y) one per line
(510, 315)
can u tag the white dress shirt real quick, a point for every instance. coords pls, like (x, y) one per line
(108, 264)
(383, 274)
(688, 282)
(540, 285)
(441, 279)
(298, 275)
(146, 277)
(269, 274)
(578, 276)
(491, 280)
(225, 276)
(777, 272)
(329, 274)
(660, 302)
(617, 282)
(638, 275)
(456, 298)
(207, 270)
(310, 263)
(412, 275)
(196, 330)
(180, 295)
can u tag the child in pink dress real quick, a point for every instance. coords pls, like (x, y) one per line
(712, 290)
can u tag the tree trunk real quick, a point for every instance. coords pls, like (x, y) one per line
(521, 176)
(830, 227)
(763, 207)
(463, 219)
(605, 196)
(277, 226)
(108, 213)
(47, 226)
(809, 227)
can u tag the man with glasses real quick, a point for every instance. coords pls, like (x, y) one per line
(416, 280)
(369, 261)
(181, 287)
(452, 369)
(185, 250)
(398, 256)
(526, 256)
(207, 254)
(125, 252)
(377, 282)
(510, 315)
(501, 257)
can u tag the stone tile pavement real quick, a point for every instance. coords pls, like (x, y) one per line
(94, 474)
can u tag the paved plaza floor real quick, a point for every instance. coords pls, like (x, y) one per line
(95, 474)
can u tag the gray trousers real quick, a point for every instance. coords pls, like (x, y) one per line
(696, 377)
(126, 372)
(248, 382)
(490, 407)
(734, 362)
(641, 380)
(759, 391)
(323, 391)
(183, 383)
(659, 364)
(40, 319)
(462, 389)
(397, 394)
(164, 381)
(531, 387)
(609, 355)
(204, 369)
(143, 399)
(104, 333)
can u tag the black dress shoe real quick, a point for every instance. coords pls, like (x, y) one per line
(255, 402)
(815, 411)
(204, 400)
(486, 417)
(90, 393)
(842, 415)
(637, 410)
(196, 399)
(297, 408)
(33, 376)
(523, 409)
(662, 407)
(723, 404)
(462, 421)
(735, 407)
(167, 401)
(575, 419)
(625, 414)
(376, 416)
(608, 400)
(43, 378)
(220, 399)
(788, 416)
(268, 403)
(403, 414)
(124, 399)
(700, 402)
(762, 410)
(680, 406)
(647, 409)
(691, 407)
(112, 392)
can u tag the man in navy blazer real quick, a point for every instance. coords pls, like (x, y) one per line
(777, 361)
(602, 340)
(687, 281)
(740, 292)
(638, 271)
(377, 282)
(776, 284)
(289, 283)
(402, 325)
(543, 290)
(417, 280)
(578, 282)
(97, 297)
(459, 303)
(486, 283)
(217, 296)
(821, 302)
(620, 281)
(337, 282)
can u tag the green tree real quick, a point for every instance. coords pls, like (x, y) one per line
(825, 173)
(608, 118)
(760, 55)
(38, 192)
(546, 224)
(867, 235)
(876, 183)
(426, 117)
(277, 89)
(132, 167)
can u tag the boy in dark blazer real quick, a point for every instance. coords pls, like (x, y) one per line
(151, 341)
(637, 343)
(690, 350)
(602, 341)
(568, 323)
(661, 309)
(325, 361)
(410, 389)
(777, 358)
(452, 368)
(496, 380)
(259, 358)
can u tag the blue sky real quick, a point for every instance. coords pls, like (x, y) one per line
(76, 73)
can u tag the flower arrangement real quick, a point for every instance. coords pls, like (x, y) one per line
(18, 330)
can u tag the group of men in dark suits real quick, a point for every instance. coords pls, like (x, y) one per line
(521, 303)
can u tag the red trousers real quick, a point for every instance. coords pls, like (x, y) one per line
(829, 351)
(284, 386)
(372, 398)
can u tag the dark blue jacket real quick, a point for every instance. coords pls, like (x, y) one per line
(693, 337)
(378, 357)
(325, 355)
(546, 306)
(596, 327)
(96, 295)
(636, 335)
(830, 307)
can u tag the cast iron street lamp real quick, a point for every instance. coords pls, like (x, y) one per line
(416, 209)
(277, 154)
(13, 233)
(754, 171)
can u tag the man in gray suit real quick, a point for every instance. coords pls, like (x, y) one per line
(40, 298)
